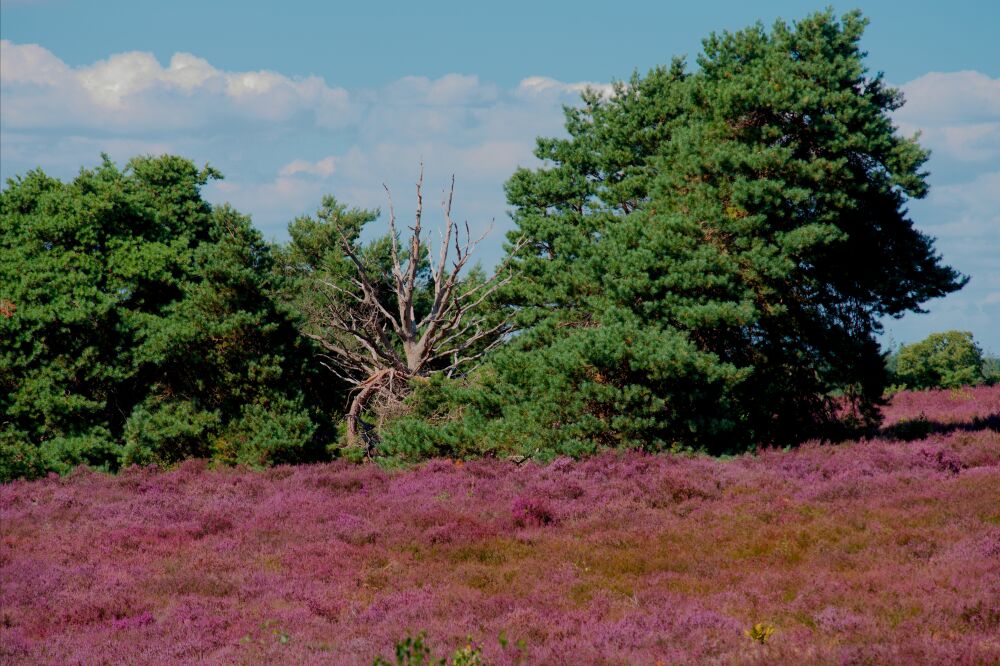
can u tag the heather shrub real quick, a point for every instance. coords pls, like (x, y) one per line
(532, 512)
(838, 620)
(982, 616)
(872, 551)
(942, 460)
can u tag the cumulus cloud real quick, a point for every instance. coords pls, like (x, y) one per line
(283, 141)
(958, 114)
(133, 91)
(31, 64)
(449, 90)
(322, 168)
(953, 97)
(535, 86)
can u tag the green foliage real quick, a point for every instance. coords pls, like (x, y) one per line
(702, 263)
(19, 458)
(411, 651)
(138, 325)
(760, 632)
(709, 254)
(470, 655)
(943, 360)
(314, 255)
(167, 433)
(991, 369)
(314, 259)
(414, 651)
(588, 391)
(267, 434)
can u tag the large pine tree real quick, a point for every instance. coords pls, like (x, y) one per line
(709, 253)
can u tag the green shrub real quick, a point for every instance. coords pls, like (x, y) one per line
(19, 458)
(414, 651)
(411, 651)
(279, 431)
(944, 360)
(167, 433)
(573, 395)
(991, 369)
(94, 448)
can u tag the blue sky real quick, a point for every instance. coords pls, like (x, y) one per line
(293, 100)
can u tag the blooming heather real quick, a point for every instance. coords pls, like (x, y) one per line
(878, 551)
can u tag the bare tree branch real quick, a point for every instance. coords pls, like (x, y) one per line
(378, 351)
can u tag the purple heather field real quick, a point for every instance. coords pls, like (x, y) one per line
(880, 551)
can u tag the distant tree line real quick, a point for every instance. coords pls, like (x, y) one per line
(701, 264)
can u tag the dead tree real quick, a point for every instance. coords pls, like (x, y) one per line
(378, 344)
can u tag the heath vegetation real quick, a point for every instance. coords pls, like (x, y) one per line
(883, 550)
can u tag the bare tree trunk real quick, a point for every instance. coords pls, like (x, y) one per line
(376, 386)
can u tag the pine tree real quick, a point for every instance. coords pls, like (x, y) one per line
(709, 254)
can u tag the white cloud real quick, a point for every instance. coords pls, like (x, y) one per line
(111, 81)
(322, 168)
(132, 91)
(958, 114)
(952, 97)
(189, 72)
(543, 85)
(449, 90)
(31, 64)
